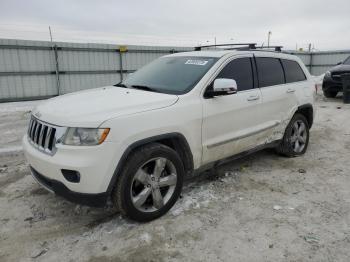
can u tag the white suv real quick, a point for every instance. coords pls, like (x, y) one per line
(134, 143)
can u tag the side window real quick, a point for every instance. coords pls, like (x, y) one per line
(293, 71)
(270, 71)
(240, 70)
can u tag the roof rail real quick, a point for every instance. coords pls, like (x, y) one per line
(241, 46)
(277, 48)
(246, 46)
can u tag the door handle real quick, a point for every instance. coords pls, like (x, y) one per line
(252, 98)
(290, 90)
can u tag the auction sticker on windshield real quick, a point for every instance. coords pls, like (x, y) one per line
(196, 62)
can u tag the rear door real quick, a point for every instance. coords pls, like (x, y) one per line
(231, 123)
(296, 82)
(278, 98)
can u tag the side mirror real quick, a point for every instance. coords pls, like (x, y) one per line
(339, 63)
(222, 87)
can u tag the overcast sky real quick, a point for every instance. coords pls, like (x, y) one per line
(325, 24)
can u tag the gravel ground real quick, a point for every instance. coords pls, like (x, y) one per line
(261, 208)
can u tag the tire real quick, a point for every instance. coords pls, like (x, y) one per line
(330, 94)
(147, 188)
(296, 133)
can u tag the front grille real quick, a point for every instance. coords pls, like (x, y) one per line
(42, 135)
(338, 75)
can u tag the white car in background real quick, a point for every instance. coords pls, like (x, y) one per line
(134, 143)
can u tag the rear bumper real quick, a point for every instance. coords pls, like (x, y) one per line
(57, 187)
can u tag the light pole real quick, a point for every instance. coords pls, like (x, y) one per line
(268, 38)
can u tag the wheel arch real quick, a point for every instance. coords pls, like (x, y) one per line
(307, 111)
(176, 141)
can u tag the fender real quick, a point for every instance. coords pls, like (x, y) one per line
(187, 156)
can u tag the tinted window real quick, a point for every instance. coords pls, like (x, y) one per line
(270, 71)
(293, 71)
(240, 70)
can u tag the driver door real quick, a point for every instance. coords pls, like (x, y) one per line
(232, 123)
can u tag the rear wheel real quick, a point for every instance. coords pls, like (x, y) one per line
(296, 137)
(150, 183)
(330, 94)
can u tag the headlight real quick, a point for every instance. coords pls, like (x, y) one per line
(85, 136)
(327, 74)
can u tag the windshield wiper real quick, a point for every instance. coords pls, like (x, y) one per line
(121, 85)
(141, 87)
(146, 88)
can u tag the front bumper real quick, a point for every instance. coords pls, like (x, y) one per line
(95, 164)
(332, 85)
(54, 186)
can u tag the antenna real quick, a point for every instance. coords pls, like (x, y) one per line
(268, 38)
(50, 33)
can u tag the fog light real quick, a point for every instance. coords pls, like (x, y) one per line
(71, 175)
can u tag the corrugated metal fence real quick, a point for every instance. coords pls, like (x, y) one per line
(319, 62)
(38, 69)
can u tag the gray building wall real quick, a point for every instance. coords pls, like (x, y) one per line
(39, 69)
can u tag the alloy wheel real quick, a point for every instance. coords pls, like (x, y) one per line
(298, 136)
(153, 184)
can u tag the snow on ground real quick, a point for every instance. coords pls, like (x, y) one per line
(18, 106)
(10, 149)
(14, 118)
(260, 208)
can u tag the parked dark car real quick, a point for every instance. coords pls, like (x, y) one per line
(332, 82)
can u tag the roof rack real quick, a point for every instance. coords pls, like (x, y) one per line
(277, 48)
(241, 46)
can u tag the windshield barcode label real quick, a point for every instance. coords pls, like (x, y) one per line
(196, 62)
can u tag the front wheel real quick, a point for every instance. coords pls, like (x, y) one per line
(296, 137)
(330, 94)
(150, 183)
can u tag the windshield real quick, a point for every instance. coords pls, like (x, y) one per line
(171, 75)
(347, 61)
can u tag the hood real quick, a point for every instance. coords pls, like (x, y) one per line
(89, 108)
(340, 68)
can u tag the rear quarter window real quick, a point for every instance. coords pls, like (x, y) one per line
(270, 71)
(293, 71)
